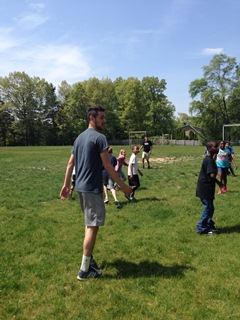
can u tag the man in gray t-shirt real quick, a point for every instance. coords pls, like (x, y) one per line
(88, 155)
(89, 162)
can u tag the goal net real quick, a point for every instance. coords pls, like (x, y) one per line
(231, 132)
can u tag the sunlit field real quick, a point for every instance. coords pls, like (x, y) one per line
(154, 264)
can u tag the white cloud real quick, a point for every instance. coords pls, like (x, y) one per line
(212, 51)
(54, 63)
(31, 20)
(37, 6)
(7, 42)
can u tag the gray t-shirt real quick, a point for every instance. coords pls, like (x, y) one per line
(87, 160)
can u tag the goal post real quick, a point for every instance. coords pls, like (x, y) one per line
(135, 135)
(228, 125)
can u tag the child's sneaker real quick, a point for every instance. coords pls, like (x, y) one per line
(220, 191)
(106, 200)
(133, 199)
(224, 189)
(117, 204)
(128, 197)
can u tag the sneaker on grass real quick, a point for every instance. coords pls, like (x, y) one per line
(93, 264)
(91, 273)
(206, 233)
(117, 204)
(128, 197)
(133, 199)
(214, 230)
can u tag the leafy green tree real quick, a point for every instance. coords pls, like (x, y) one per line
(30, 102)
(49, 107)
(159, 116)
(102, 92)
(6, 125)
(213, 95)
(131, 109)
(64, 115)
(17, 92)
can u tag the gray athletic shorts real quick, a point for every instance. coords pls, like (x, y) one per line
(110, 185)
(93, 208)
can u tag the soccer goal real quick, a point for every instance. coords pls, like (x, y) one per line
(136, 137)
(232, 135)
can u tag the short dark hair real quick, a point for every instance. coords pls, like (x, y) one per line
(211, 144)
(222, 142)
(93, 111)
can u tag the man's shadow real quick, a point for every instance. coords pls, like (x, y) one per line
(126, 269)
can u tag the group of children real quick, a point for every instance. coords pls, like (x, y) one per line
(217, 162)
(118, 163)
(133, 171)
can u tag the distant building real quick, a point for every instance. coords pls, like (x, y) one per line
(189, 128)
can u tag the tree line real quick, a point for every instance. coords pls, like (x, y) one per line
(33, 112)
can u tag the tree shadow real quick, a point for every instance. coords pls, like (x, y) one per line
(230, 229)
(126, 269)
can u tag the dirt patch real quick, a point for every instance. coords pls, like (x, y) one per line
(166, 160)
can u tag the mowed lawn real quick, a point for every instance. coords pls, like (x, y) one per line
(154, 264)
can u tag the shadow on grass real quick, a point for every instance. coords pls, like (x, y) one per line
(126, 269)
(141, 200)
(230, 229)
(151, 199)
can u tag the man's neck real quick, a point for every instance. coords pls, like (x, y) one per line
(91, 126)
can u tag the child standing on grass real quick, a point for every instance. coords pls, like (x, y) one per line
(223, 165)
(108, 183)
(206, 190)
(231, 159)
(133, 178)
(121, 162)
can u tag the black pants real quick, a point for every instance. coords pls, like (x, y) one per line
(134, 182)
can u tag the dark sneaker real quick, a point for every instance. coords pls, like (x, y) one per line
(117, 204)
(214, 230)
(206, 233)
(93, 264)
(133, 199)
(91, 273)
(128, 197)
(106, 200)
(210, 233)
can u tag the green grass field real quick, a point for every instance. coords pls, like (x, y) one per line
(154, 264)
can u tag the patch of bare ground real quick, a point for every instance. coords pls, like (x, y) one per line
(166, 160)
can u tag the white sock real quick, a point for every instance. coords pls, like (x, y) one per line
(85, 263)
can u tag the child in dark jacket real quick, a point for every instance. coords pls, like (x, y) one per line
(206, 190)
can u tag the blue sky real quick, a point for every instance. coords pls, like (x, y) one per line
(74, 40)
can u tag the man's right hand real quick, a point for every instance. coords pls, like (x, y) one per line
(64, 192)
